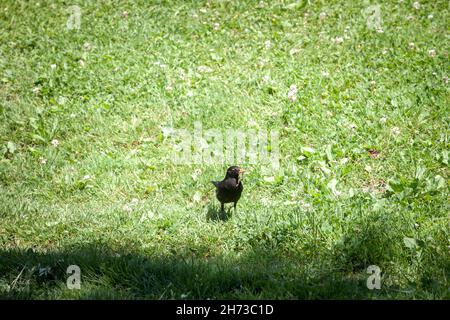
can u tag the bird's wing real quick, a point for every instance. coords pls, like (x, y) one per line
(230, 184)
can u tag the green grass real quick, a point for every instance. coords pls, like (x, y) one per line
(106, 200)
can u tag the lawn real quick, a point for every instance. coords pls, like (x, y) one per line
(357, 92)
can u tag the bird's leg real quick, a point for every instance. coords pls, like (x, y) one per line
(222, 208)
(235, 207)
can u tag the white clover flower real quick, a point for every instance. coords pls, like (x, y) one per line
(216, 26)
(197, 197)
(53, 66)
(127, 208)
(322, 15)
(125, 14)
(42, 160)
(55, 142)
(86, 46)
(395, 131)
(267, 44)
(338, 40)
(196, 174)
(432, 53)
(294, 51)
(416, 5)
(292, 94)
(252, 123)
(411, 45)
(202, 69)
(325, 73)
(430, 16)
(266, 78)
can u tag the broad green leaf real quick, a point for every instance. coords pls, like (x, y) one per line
(410, 242)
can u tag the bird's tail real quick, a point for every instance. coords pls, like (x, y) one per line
(215, 183)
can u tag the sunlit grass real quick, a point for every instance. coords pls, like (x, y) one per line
(364, 138)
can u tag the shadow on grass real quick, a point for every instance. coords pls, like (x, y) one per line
(215, 214)
(123, 274)
(270, 269)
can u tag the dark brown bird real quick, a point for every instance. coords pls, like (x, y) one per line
(230, 188)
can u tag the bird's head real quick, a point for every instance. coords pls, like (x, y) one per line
(234, 172)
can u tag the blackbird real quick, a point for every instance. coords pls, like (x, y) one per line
(230, 188)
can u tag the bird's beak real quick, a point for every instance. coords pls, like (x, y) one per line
(241, 170)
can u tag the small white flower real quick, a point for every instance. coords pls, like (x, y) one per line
(292, 94)
(189, 93)
(197, 197)
(430, 16)
(216, 26)
(202, 69)
(445, 79)
(127, 208)
(267, 44)
(203, 10)
(294, 51)
(42, 160)
(411, 45)
(306, 205)
(86, 46)
(383, 120)
(322, 15)
(196, 173)
(325, 73)
(432, 53)
(252, 123)
(161, 65)
(380, 30)
(395, 130)
(81, 62)
(266, 78)
(53, 66)
(55, 142)
(416, 5)
(385, 51)
(36, 90)
(338, 40)
(125, 14)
